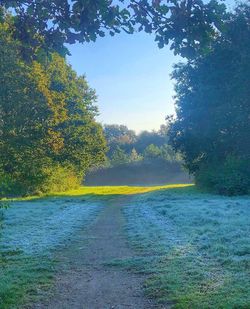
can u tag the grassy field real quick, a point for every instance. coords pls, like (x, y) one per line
(35, 227)
(194, 247)
(31, 233)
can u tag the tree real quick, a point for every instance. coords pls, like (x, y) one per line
(212, 96)
(119, 135)
(188, 25)
(119, 157)
(168, 154)
(152, 152)
(47, 121)
(147, 138)
(135, 157)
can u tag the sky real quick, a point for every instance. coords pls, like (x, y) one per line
(131, 76)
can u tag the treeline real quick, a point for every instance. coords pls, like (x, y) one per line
(127, 147)
(138, 159)
(48, 134)
(212, 129)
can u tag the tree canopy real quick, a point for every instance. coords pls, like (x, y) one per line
(187, 25)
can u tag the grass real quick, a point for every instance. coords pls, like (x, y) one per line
(195, 247)
(34, 227)
(101, 190)
(32, 231)
(22, 277)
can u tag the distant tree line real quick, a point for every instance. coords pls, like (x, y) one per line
(127, 147)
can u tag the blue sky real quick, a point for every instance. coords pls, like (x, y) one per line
(131, 77)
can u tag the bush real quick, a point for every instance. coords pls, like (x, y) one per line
(60, 179)
(231, 177)
(51, 178)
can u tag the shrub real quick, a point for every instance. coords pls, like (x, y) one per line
(60, 179)
(50, 178)
(231, 177)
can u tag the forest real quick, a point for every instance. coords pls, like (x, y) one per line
(97, 215)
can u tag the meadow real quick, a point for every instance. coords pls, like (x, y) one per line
(193, 247)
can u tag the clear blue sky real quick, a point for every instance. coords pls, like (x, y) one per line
(131, 77)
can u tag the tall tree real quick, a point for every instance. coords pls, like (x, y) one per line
(47, 120)
(212, 126)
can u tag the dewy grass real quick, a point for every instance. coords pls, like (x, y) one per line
(21, 278)
(196, 247)
(31, 232)
(34, 227)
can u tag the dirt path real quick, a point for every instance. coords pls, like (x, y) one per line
(86, 283)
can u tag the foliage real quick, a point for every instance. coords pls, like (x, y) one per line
(119, 157)
(135, 157)
(152, 152)
(169, 155)
(157, 138)
(47, 121)
(230, 178)
(126, 147)
(188, 24)
(213, 108)
(119, 135)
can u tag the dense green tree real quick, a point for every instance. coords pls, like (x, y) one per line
(168, 154)
(212, 96)
(47, 121)
(119, 134)
(148, 145)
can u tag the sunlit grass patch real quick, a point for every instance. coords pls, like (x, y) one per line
(121, 190)
(107, 190)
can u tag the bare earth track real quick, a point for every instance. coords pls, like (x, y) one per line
(86, 283)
